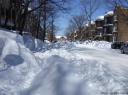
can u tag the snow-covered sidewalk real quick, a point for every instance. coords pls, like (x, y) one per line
(67, 69)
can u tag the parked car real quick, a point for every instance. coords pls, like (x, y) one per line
(124, 48)
(116, 45)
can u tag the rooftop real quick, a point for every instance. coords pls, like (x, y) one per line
(58, 37)
(109, 13)
(100, 18)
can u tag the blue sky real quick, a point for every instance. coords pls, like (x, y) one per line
(63, 21)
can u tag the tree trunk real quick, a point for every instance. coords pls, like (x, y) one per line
(52, 30)
(6, 18)
(44, 24)
(0, 13)
(44, 29)
(23, 19)
(38, 27)
(22, 24)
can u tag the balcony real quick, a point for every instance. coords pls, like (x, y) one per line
(107, 25)
(99, 28)
(115, 29)
(115, 18)
(109, 21)
(99, 32)
(99, 24)
(108, 30)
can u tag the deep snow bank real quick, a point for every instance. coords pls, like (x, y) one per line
(27, 40)
(18, 65)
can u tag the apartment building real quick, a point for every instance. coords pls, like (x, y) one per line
(111, 27)
(114, 26)
(99, 28)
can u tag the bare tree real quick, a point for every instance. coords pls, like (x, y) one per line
(77, 24)
(49, 9)
(90, 7)
(111, 4)
(52, 28)
(118, 5)
(23, 9)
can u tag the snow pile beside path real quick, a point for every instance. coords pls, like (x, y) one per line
(18, 65)
(13, 36)
(94, 44)
(27, 40)
(33, 44)
(37, 45)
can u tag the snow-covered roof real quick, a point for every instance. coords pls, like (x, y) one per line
(100, 18)
(29, 9)
(87, 24)
(109, 13)
(58, 36)
(92, 22)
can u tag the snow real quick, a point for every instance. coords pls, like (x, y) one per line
(94, 44)
(87, 24)
(58, 37)
(29, 9)
(109, 13)
(109, 25)
(100, 18)
(62, 68)
(92, 22)
(16, 63)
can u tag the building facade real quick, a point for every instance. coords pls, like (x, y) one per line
(108, 26)
(90, 30)
(120, 32)
(99, 28)
(114, 26)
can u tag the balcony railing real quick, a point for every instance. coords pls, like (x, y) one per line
(115, 18)
(108, 30)
(109, 20)
(114, 29)
(108, 25)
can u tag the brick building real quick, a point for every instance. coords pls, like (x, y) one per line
(120, 32)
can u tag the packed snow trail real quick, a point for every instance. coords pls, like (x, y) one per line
(84, 71)
(90, 68)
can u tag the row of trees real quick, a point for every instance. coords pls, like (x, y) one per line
(35, 16)
(78, 23)
(76, 29)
